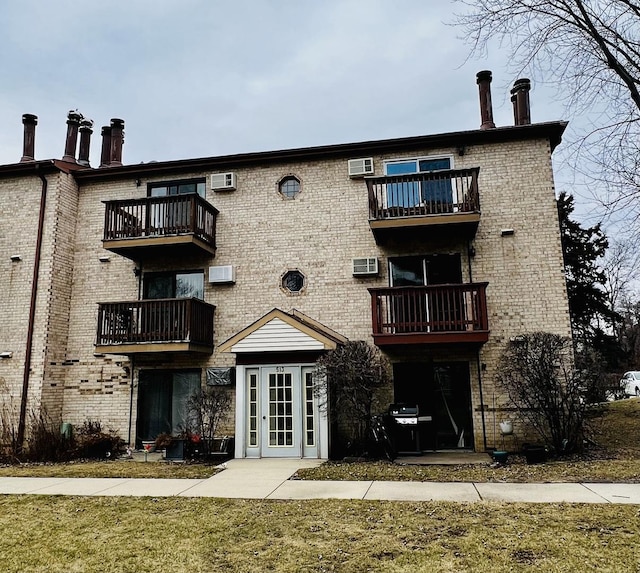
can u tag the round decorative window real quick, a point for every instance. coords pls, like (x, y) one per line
(293, 281)
(289, 187)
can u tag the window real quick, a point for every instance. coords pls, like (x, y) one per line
(414, 193)
(289, 187)
(174, 285)
(293, 281)
(177, 188)
(162, 401)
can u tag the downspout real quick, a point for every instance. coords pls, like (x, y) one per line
(484, 426)
(470, 253)
(138, 272)
(22, 421)
(131, 359)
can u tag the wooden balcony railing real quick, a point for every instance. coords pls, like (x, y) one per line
(430, 314)
(179, 320)
(422, 194)
(153, 217)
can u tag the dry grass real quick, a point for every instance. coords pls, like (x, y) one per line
(111, 469)
(56, 534)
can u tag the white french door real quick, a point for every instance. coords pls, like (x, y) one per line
(282, 412)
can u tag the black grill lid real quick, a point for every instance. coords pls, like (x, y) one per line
(403, 410)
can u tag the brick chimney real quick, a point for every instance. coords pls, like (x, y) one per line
(520, 101)
(29, 142)
(86, 130)
(105, 154)
(117, 139)
(73, 122)
(483, 79)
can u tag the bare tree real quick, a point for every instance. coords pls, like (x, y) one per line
(590, 50)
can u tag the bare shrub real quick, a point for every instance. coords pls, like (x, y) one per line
(92, 441)
(45, 442)
(9, 450)
(538, 373)
(206, 410)
(346, 380)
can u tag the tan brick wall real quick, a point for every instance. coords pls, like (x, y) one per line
(263, 235)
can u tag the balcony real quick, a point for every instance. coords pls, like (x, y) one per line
(156, 325)
(185, 224)
(437, 314)
(441, 201)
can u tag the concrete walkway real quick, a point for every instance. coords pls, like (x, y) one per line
(269, 479)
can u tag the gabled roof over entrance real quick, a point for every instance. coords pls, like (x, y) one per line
(279, 331)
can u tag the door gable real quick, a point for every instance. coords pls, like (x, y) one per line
(278, 331)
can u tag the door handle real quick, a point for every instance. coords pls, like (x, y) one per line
(264, 417)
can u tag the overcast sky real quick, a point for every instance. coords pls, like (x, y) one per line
(199, 78)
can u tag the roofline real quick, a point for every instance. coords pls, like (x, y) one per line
(40, 167)
(549, 130)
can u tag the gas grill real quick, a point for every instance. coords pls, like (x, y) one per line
(404, 415)
(407, 426)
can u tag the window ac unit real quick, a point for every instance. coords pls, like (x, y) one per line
(223, 181)
(361, 167)
(365, 266)
(224, 274)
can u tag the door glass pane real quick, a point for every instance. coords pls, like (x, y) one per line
(190, 285)
(158, 191)
(405, 194)
(309, 422)
(280, 409)
(407, 271)
(438, 191)
(185, 385)
(162, 402)
(159, 286)
(253, 410)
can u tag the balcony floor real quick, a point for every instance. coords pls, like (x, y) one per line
(153, 348)
(133, 248)
(410, 338)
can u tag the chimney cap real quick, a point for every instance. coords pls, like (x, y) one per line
(521, 84)
(116, 122)
(29, 118)
(74, 115)
(86, 123)
(484, 75)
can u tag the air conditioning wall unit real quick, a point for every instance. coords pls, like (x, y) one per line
(223, 181)
(222, 274)
(366, 266)
(361, 167)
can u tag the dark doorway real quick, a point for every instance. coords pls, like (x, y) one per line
(442, 391)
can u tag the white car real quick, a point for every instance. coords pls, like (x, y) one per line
(631, 383)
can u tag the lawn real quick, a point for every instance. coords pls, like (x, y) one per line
(63, 534)
(112, 469)
(96, 534)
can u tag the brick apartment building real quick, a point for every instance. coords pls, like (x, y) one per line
(127, 287)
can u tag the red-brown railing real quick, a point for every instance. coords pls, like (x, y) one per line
(420, 194)
(160, 216)
(155, 320)
(429, 309)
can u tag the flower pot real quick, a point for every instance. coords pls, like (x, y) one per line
(175, 450)
(500, 456)
(535, 454)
